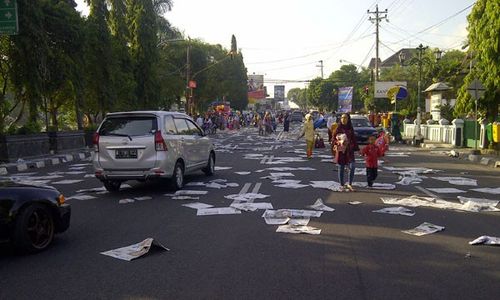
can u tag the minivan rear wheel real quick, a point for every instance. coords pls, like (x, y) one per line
(178, 176)
(112, 185)
(209, 170)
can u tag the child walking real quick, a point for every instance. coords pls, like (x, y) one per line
(371, 152)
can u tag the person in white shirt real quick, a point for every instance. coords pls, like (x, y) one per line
(199, 121)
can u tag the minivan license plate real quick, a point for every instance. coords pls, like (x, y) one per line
(126, 153)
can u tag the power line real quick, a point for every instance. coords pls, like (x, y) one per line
(436, 25)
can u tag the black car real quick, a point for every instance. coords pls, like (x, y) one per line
(30, 215)
(296, 116)
(362, 128)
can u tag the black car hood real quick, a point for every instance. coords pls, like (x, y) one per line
(20, 184)
(364, 129)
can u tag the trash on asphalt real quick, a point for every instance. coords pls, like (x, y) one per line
(125, 201)
(197, 205)
(376, 185)
(424, 229)
(81, 197)
(253, 206)
(290, 184)
(458, 180)
(495, 191)
(319, 205)
(134, 251)
(409, 179)
(190, 192)
(486, 240)
(184, 197)
(92, 190)
(291, 213)
(299, 221)
(217, 211)
(415, 201)
(355, 202)
(222, 168)
(446, 190)
(143, 198)
(298, 229)
(329, 185)
(243, 173)
(463, 199)
(68, 181)
(276, 221)
(399, 210)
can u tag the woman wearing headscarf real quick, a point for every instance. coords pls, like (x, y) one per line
(345, 144)
(308, 132)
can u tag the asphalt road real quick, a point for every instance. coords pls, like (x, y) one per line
(358, 255)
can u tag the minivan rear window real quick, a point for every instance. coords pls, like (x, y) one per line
(128, 126)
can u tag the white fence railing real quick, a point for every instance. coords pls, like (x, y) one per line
(448, 134)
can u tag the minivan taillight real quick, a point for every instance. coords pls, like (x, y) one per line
(160, 142)
(95, 141)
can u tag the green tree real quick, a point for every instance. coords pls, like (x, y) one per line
(295, 95)
(484, 47)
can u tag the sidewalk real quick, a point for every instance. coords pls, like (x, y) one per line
(41, 162)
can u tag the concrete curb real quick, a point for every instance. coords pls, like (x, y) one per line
(22, 165)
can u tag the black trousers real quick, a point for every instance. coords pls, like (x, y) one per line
(371, 175)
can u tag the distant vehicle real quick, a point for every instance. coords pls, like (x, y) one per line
(30, 215)
(144, 145)
(362, 128)
(314, 114)
(296, 116)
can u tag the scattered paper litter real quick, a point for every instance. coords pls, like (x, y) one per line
(292, 185)
(246, 196)
(92, 190)
(486, 240)
(68, 181)
(185, 198)
(355, 202)
(195, 183)
(376, 185)
(446, 190)
(190, 192)
(488, 190)
(424, 229)
(252, 206)
(299, 221)
(319, 205)
(125, 201)
(281, 174)
(396, 211)
(222, 168)
(463, 200)
(74, 172)
(81, 197)
(143, 198)
(218, 211)
(415, 201)
(407, 180)
(276, 221)
(243, 173)
(298, 229)
(197, 205)
(329, 185)
(134, 251)
(458, 180)
(291, 213)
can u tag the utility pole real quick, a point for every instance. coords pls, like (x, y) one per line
(188, 76)
(320, 66)
(379, 15)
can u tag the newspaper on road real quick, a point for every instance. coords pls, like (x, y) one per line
(298, 229)
(291, 213)
(319, 205)
(415, 201)
(486, 240)
(218, 211)
(197, 205)
(424, 229)
(396, 211)
(134, 251)
(458, 180)
(252, 206)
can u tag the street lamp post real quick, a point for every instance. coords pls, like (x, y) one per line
(419, 61)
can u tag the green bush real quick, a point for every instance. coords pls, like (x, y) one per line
(29, 128)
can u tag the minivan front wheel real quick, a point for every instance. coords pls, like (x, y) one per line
(209, 170)
(112, 185)
(178, 176)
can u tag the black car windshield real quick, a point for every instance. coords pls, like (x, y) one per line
(129, 126)
(360, 123)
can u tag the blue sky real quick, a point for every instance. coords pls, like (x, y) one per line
(285, 39)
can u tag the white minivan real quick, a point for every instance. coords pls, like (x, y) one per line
(144, 145)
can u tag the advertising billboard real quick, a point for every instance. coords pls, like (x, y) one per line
(381, 87)
(345, 99)
(279, 93)
(256, 89)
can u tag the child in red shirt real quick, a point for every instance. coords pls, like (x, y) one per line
(371, 152)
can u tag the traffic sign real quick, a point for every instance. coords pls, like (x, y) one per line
(476, 89)
(8, 17)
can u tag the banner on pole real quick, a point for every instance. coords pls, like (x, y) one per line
(345, 99)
